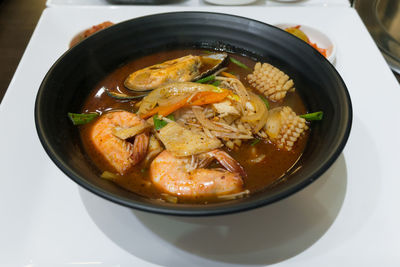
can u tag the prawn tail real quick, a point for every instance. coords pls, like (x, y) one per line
(140, 146)
(228, 162)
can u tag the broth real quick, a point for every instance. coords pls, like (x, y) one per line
(260, 175)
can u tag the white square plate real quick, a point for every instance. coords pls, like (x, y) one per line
(348, 217)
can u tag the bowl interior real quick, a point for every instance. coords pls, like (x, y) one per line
(74, 75)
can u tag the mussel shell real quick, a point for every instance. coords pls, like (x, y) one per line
(213, 60)
(223, 59)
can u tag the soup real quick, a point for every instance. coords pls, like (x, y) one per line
(212, 127)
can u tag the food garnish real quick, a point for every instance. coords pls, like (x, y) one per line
(265, 101)
(315, 116)
(240, 64)
(82, 118)
(160, 123)
(255, 142)
(206, 79)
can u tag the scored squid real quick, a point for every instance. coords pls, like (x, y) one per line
(284, 127)
(184, 69)
(270, 81)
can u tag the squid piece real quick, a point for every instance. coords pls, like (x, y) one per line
(270, 81)
(284, 127)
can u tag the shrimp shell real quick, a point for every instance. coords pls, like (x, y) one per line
(176, 176)
(120, 154)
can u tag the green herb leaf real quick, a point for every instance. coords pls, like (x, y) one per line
(83, 118)
(160, 123)
(255, 142)
(206, 79)
(237, 62)
(316, 116)
(216, 83)
(265, 101)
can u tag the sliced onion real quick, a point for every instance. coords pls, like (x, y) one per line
(171, 100)
(260, 109)
(198, 112)
(170, 91)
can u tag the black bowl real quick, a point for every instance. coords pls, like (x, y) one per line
(72, 77)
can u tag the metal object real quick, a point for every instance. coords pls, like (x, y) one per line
(382, 19)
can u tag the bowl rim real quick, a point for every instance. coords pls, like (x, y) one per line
(181, 209)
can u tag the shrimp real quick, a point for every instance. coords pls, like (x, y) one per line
(187, 177)
(119, 153)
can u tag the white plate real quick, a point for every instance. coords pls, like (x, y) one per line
(348, 217)
(315, 36)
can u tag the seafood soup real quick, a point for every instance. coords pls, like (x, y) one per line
(194, 126)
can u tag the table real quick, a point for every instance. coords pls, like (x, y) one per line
(348, 217)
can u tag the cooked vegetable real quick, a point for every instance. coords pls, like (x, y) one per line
(265, 101)
(238, 88)
(170, 91)
(206, 79)
(316, 116)
(203, 98)
(184, 142)
(237, 62)
(109, 176)
(216, 83)
(228, 75)
(82, 118)
(169, 198)
(255, 142)
(159, 123)
(125, 133)
(166, 110)
(259, 116)
(122, 96)
(198, 99)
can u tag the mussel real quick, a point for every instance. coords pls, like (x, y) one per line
(184, 69)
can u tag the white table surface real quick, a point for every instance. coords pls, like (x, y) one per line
(196, 3)
(348, 217)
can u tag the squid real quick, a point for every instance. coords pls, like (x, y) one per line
(284, 127)
(270, 81)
